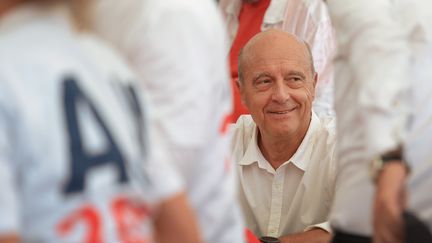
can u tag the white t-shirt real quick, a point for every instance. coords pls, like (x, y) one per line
(298, 195)
(73, 136)
(178, 47)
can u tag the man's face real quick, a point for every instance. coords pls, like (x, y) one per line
(278, 87)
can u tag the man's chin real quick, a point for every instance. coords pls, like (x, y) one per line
(282, 131)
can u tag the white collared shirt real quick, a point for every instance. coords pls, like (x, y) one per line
(310, 21)
(297, 196)
(383, 97)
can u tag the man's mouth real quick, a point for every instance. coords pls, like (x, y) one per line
(281, 112)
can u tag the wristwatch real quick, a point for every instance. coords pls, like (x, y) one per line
(392, 156)
(269, 239)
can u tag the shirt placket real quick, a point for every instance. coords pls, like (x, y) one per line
(276, 204)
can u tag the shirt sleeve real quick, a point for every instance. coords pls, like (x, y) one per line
(190, 89)
(155, 176)
(178, 49)
(323, 49)
(157, 179)
(372, 45)
(317, 30)
(324, 226)
(319, 34)
(188, 81)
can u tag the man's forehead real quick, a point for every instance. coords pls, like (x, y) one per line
(272, 50)
(256, 66)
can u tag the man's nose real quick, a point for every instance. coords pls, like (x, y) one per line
(280, 92)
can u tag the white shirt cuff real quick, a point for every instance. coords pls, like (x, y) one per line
(324, 226)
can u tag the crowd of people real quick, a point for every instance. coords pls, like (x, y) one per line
(231, 121)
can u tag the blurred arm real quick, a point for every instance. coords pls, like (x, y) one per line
(175, 222)
(373, 44)
(9, 238)
(311, 236)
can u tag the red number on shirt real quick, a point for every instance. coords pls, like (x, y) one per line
(128, 217)
(90, 217)
(223, 129)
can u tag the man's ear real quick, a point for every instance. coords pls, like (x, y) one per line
(241, 91)
(315, 79)
(238, 84)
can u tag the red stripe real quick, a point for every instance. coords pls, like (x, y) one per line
(226, 122)
(250, 237)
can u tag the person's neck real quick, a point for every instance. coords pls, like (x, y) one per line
(278, 150)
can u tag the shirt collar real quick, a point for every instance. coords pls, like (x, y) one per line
(303, 154)
(300, 158)
(253, 154)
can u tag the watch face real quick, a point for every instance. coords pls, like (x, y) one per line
(268, 239)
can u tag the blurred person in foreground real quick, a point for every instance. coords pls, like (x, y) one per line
(74, 145)
(178, 49)
(307, 19)
(383, 92)
(284, 152)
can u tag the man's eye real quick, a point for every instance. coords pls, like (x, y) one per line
(263, 84)
(296, 82)
(264, 81)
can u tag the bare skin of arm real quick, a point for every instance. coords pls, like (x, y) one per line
(390, 202)
(311, 236)
(175, 222)
(10, 238)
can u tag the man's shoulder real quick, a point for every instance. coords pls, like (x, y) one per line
(324, 139)
(244, 126)
(241, 134)
(328, 125)
(323, 168)
(325, 142)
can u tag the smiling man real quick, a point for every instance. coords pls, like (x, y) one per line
(285, 153)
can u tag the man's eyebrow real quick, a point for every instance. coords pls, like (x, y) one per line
(296, 73)
(261, 75)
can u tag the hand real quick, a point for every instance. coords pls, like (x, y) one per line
(390, 202)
